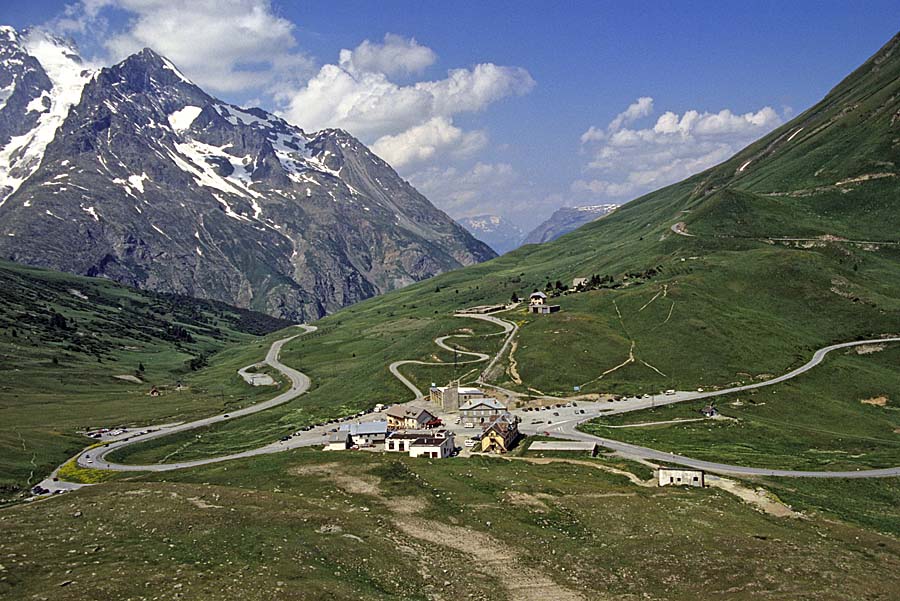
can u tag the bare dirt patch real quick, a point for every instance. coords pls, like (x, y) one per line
(759, 498)
(128, 378)
(524, 499)
(868, 349)
(486, 553)
(492, 556)
(201, 504)
(878, 401)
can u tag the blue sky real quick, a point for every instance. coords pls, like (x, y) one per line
(512, 136)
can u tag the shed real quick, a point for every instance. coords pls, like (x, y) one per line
(677, 476)
(338, 441)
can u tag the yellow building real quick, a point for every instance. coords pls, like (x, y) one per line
(500, 434)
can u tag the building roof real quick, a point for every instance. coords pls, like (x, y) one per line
(409, 434)
(690, 470)
(562, 445)
(338, 437)
(407, 412)
(462, 389)
(430, 441)
(364, 428)
(537, 295)
(487, 402)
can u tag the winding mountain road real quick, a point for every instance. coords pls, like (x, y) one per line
(568, 429)
(300, 383)
(565, 429)
(509, 329)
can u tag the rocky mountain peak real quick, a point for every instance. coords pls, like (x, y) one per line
(155, 183)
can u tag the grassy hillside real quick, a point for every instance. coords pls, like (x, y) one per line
(64, 338)
(314, 525)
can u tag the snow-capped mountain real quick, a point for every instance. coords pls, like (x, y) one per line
(565, 220)
(134, 173)
(495, 231)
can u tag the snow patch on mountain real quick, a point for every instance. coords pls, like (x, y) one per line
(23, 154)
(182, 119)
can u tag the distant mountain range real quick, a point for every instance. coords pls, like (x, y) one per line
(134, 173)
(565, 220)
(497, 232)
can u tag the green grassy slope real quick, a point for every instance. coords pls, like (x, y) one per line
(314, 525)
(63, 338)
(728, 303)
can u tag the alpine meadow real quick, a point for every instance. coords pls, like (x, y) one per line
(310, 350)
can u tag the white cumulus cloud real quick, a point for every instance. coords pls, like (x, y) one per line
(222, 45)
(396, 56)
(633, 161)
(405, 123)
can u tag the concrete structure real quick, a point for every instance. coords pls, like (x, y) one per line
(451, 396)
(366, 433)
(576, 282)
(338, 441)
(434, 447)
(671, 476)
(480, 411)
(564, 445)
(403, 417)
(544, 309)
(500, 434)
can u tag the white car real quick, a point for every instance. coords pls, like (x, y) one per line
(470, 442)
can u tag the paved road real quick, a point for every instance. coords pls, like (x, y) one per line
(509, 329)
(300, 383)
(567, 428)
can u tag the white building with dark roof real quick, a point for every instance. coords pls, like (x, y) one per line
(434, 447)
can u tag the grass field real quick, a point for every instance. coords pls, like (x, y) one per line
(59, 371)
(310, 525)
(818, 421)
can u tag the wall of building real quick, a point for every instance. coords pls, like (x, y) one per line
(680, 477)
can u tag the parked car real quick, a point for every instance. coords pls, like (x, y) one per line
(283, 438)
(470, 442)
(556, 414)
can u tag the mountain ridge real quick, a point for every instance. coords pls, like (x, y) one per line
(152, 182)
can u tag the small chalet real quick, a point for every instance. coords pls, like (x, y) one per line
(537, 298)
(578, 282)
(500, 434)
(480, 411)
(403, 417)
(709, 411)
(537, 303)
